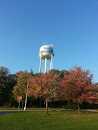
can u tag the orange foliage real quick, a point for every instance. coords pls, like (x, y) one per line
(44, 85)
(78, 86)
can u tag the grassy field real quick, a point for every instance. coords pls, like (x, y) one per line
(55, 121)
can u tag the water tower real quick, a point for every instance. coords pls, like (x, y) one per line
(46, 53)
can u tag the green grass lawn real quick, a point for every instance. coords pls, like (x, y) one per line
(55, 121)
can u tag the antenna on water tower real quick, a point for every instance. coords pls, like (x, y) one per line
(46, 53)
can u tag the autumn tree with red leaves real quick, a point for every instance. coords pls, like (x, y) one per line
(78, 87)
(44, 85)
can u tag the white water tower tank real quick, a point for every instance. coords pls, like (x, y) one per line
(46, 53)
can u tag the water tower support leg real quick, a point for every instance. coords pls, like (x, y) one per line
(51, 63)
(45, 65)
(40, 66)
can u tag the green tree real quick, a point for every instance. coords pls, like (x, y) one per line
(3, 84)
(20, 88)
(54, 71)
(62, 73)
(12, 81)
(7, 82)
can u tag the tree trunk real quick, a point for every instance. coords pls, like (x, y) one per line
(22, 104)
(78, 107)
(47, 107)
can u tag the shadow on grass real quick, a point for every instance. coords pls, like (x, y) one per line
(68, 110)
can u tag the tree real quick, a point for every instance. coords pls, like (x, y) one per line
(20, 88)
(44, 85)
(92, 94)
(62, 73)
(3, 84)
(35, 75)
(12, 81)
(7, 82)
(78, 87)
(54, 71)
(31, 73)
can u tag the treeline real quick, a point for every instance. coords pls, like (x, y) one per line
(57, 88)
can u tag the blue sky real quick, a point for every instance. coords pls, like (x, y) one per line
(70, 25)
